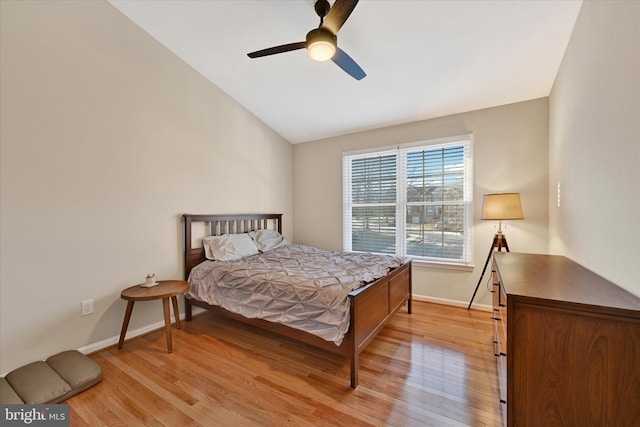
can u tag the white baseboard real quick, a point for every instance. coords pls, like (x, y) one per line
(100, 345)
(97, 346)
(455, 303)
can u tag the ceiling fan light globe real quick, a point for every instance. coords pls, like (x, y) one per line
(321, 44)
(321, 51)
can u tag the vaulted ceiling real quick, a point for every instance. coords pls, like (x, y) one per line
(423, 59)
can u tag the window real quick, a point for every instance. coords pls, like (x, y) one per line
(412, 200)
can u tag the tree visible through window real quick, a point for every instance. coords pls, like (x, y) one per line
(414, 201)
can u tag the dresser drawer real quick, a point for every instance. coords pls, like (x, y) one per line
(499, 314)
(502, 310)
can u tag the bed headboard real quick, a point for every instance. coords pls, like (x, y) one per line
(217, 225)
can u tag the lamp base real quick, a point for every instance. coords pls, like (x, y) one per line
(499, 241)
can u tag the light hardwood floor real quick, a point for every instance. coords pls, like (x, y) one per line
(434, 367)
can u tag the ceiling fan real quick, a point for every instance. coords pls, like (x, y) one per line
(321, 42)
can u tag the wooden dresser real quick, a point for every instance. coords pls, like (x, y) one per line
(567, 344)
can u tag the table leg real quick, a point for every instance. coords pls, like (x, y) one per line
(176, 310)
(125, 323)
(167, 323)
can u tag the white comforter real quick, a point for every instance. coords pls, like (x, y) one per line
(299, 286)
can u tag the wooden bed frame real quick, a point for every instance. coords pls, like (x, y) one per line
(371, 306)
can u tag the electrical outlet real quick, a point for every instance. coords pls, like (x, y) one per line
(87, 307)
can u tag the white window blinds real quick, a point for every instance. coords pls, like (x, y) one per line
(414, 200)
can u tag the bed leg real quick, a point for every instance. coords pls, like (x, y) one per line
(409, 309)
(187, 310)
(354, 370)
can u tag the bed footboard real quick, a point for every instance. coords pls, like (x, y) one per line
(371, 308)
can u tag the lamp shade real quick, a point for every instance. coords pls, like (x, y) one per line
(501, 206)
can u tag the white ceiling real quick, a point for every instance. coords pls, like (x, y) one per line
(423, 59)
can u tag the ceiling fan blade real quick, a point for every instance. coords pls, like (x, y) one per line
(277, 49)
(338, 14)
(345, 62)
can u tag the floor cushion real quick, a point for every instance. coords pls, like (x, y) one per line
(52, 381)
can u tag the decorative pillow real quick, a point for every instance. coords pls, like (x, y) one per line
(268, 239)
(229, 247)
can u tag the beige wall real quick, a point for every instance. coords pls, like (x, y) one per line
(106, 139)
(510, 150)
(594, 142)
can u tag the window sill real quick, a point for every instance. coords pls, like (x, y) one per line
(423, 263)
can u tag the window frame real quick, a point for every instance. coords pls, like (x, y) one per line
(401, 204)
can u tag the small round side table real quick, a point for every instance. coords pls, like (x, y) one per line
(165, 290)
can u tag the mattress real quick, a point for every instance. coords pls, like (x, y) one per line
(299, 286)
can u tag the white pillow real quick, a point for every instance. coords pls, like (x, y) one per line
(229, 247)
(268, 239)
